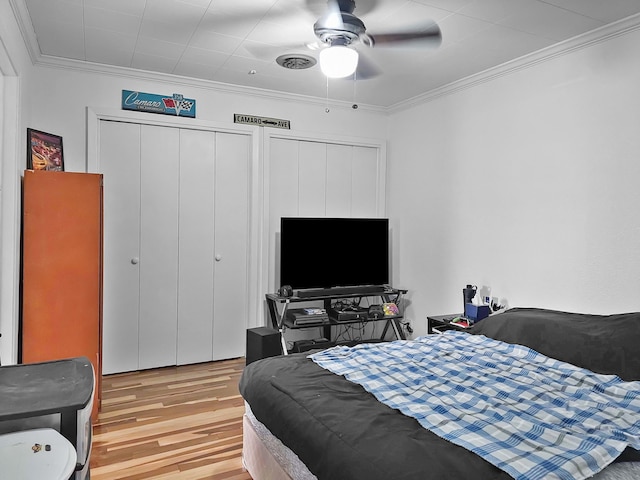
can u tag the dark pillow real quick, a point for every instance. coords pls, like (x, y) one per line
(606, 344)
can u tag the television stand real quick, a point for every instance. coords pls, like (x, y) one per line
(278, 307)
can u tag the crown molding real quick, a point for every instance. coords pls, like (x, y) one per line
(21, 12)
(571, 45)
(599, 35)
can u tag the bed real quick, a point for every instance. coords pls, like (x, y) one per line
(303, 421)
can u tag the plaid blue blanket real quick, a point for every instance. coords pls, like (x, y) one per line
(532, 416)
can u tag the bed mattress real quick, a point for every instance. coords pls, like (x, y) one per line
(340, 431)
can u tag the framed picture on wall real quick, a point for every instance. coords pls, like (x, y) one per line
(44, 151)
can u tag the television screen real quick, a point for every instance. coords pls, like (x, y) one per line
(333, 252)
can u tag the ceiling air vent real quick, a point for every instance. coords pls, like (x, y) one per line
(296, 61)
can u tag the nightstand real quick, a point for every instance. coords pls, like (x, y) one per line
(441, 323)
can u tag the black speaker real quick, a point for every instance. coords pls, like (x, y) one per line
(285, 291)
(375, 312)
(262, 342)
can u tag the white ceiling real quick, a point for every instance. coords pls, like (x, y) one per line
(224, 40)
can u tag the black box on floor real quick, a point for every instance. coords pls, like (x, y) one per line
(262, 342)
(306, 345)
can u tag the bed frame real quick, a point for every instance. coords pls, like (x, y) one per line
(267, 458)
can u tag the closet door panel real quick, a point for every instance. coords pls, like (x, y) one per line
(283, 178)
(312, 170)
(307, 178)
(364, 192)
(283, 196)
(231, 245)
(339, 180)
(120, 165)
(196, 247)
(158, 246)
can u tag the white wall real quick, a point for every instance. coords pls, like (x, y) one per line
(60, 98)
(527, 184)
(15, 65)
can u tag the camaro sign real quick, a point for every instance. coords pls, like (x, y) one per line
(261, 121)
(149, 102)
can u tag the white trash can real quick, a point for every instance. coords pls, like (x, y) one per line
(40, 454)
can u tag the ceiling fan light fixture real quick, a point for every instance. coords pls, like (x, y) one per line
(338, 61)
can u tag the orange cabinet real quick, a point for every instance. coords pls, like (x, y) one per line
(62, 269)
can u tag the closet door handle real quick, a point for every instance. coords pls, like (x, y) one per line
(135, 260)
(218, 257)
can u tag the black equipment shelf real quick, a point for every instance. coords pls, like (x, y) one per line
(278, 306)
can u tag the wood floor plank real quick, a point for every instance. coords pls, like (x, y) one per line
(179, 423)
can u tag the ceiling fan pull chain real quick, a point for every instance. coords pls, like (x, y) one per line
(355, 83)
(326, 107)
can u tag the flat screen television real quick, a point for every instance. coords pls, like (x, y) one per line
(333, 252)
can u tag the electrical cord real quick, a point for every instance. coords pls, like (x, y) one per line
(407, 326)
(344, 305)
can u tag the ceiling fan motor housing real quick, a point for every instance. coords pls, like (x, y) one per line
(343, 32)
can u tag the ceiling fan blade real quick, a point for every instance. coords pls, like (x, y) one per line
(429, 36)
(366, 68)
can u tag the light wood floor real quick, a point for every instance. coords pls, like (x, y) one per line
(178, 423)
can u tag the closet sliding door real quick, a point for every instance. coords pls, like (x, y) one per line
(196, 253)
(320, 179)
(140, 245)
(214, 219)
(231, 279)
(158, 251)
(176, 245)
(120, 154)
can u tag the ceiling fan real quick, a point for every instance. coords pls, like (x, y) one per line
(339, 30)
